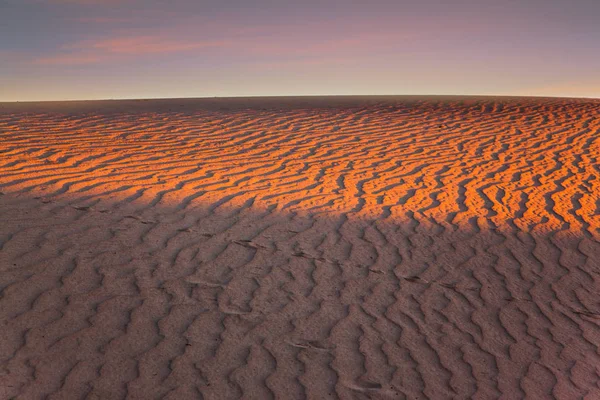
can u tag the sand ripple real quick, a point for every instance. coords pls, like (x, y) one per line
(308, 248)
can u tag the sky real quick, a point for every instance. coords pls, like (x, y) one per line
(113, 49)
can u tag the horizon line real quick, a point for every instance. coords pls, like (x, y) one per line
(300, 96)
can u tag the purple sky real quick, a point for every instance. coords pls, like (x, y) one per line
(97, 49)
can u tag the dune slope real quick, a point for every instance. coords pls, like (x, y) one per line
(300, 248)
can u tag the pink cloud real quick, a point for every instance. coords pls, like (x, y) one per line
(104, 20)
(261, 42)
(70, 59)
(147, 45)
(93, 52)
(89, 1)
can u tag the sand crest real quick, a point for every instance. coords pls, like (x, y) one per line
(347, 248)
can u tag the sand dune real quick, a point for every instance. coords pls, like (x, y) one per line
(345, 248)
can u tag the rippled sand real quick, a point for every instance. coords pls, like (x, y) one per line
(345, 248)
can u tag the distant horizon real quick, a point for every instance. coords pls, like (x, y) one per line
(293, 96)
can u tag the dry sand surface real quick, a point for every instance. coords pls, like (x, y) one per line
(345, 248)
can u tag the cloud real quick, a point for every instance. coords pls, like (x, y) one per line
(148, 45)
(71, 59)
(272, 43)
(85, 2)
(104, 20)
(97, 51)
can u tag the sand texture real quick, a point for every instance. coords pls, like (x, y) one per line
(350, 248)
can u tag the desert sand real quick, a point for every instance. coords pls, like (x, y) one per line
(316, 248)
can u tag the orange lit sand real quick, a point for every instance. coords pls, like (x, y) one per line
(291, 248)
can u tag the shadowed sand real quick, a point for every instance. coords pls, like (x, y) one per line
(345, 248)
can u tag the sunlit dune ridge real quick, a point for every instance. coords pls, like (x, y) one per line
(526, 164)
(383, 248)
